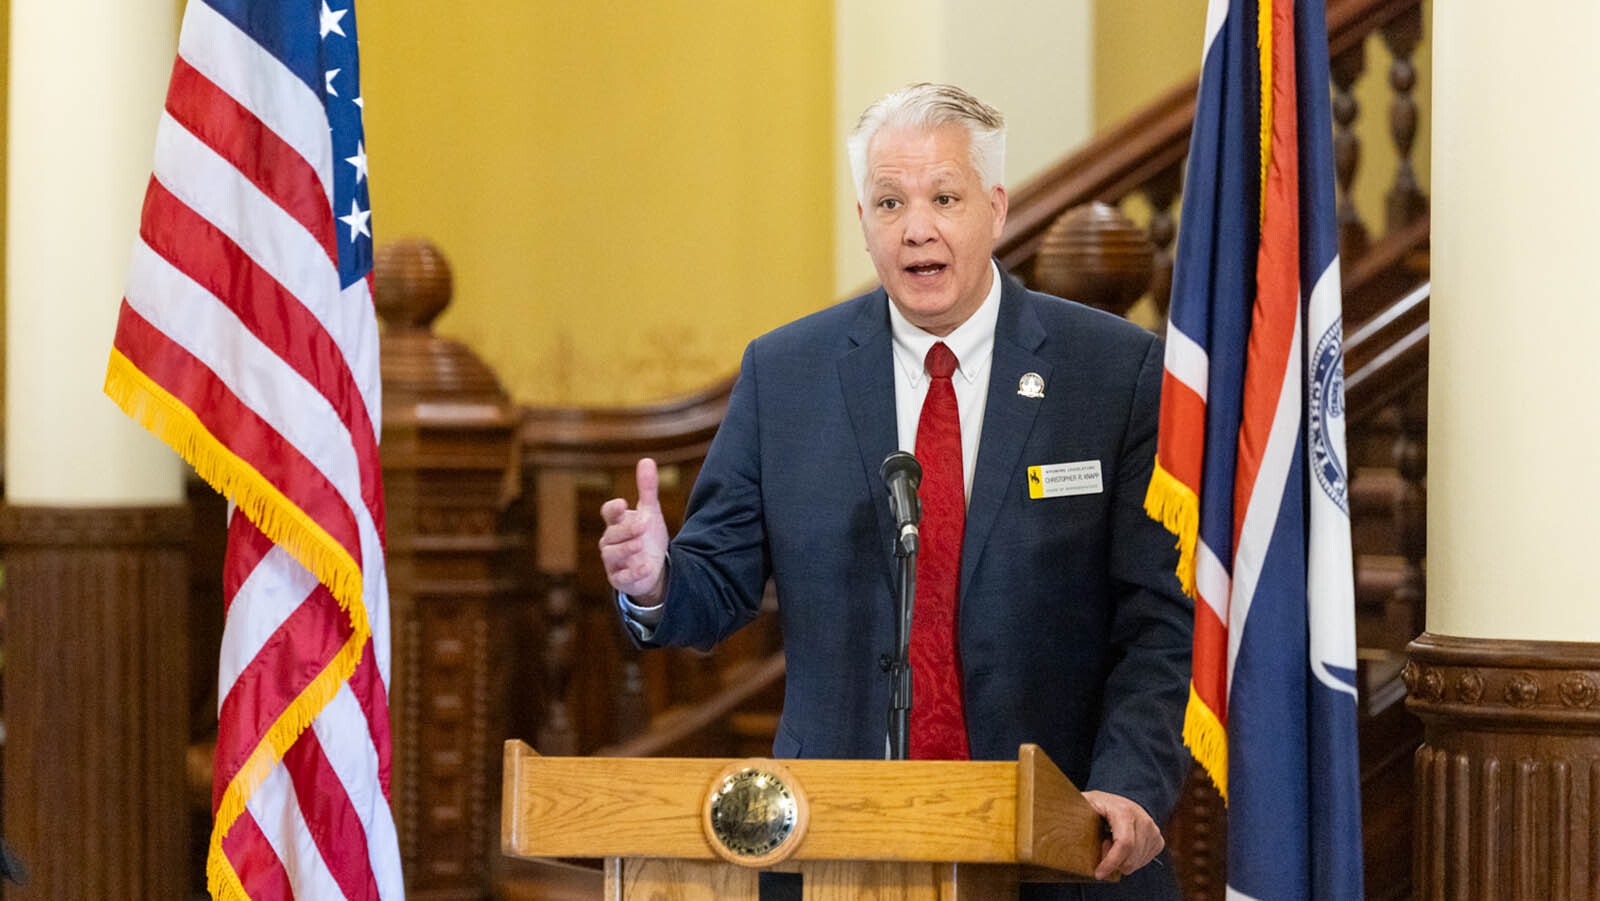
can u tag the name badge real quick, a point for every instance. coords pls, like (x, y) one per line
(1064, 479)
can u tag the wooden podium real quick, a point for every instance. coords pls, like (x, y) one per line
(703, 828)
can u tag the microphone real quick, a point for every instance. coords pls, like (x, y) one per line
(901, 475)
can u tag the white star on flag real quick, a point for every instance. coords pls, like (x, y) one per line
(357, 220)
(331, 74)
(359, 161)
(330, 21)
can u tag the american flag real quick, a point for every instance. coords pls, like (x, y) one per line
(1250, 460)
(247, 340)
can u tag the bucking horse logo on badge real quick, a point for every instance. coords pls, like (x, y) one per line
(1326, 405)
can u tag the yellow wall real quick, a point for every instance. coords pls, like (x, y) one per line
(627, 192)
(1141, 49)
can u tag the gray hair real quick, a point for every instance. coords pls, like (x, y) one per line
(928, 106)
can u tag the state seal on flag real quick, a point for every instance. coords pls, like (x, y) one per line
(1324, 406)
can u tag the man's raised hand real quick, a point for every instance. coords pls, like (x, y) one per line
(634, 546)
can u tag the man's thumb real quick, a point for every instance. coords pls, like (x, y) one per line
(649, 485)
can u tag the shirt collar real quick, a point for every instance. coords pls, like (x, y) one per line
(972, 341)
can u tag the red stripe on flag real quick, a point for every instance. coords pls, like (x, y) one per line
(247, 545)
(257, 864)
(1210, 677)
(1180, 442)
(330, 818)
(1278, 271)
(286, 663)
(237, 426)
(205, 254)
(1277, 306)
(221, 123)
(373, 696)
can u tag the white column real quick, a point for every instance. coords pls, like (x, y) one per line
(1032, 61)
(87, 80)
(1514, 397)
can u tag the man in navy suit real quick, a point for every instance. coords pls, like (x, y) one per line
(1070, 628)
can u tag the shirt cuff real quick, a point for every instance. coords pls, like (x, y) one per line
(641, 621)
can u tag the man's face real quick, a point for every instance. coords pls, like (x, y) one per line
(930, 225)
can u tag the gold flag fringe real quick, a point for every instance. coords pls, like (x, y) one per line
(222, 880)
(1264, 47)
(1207, 741)
(1174, 505)
(147, 403)
(169, 419)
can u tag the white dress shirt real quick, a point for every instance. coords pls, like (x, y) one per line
(973, 344)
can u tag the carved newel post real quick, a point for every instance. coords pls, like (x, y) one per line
(1093, 254)
(449, 435)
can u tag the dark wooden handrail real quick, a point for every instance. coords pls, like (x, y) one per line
(673, 430)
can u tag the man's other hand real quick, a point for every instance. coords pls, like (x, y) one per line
(634, 546)
(1135, 837)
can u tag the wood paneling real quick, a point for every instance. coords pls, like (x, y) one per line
(96, 695)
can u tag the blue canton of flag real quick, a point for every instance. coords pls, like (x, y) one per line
(327, 60)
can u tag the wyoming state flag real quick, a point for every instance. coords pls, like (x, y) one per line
(1250, 464)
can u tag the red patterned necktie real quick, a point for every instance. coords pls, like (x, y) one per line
(938, 723)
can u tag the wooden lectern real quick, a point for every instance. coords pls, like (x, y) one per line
(703, 828)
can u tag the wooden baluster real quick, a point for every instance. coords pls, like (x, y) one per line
(1405, 201)
(1408, 603)
(1161, 192)
(1198, 839)
(557, 553)
(631, 710)
(1347, 68)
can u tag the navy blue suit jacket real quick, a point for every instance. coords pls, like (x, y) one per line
(1074, 633)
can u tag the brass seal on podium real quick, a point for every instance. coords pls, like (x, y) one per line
(755, 813)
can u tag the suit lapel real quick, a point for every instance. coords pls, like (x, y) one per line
(1007, 419)
(866, 375)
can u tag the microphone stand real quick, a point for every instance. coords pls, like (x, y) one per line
(905, 550)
